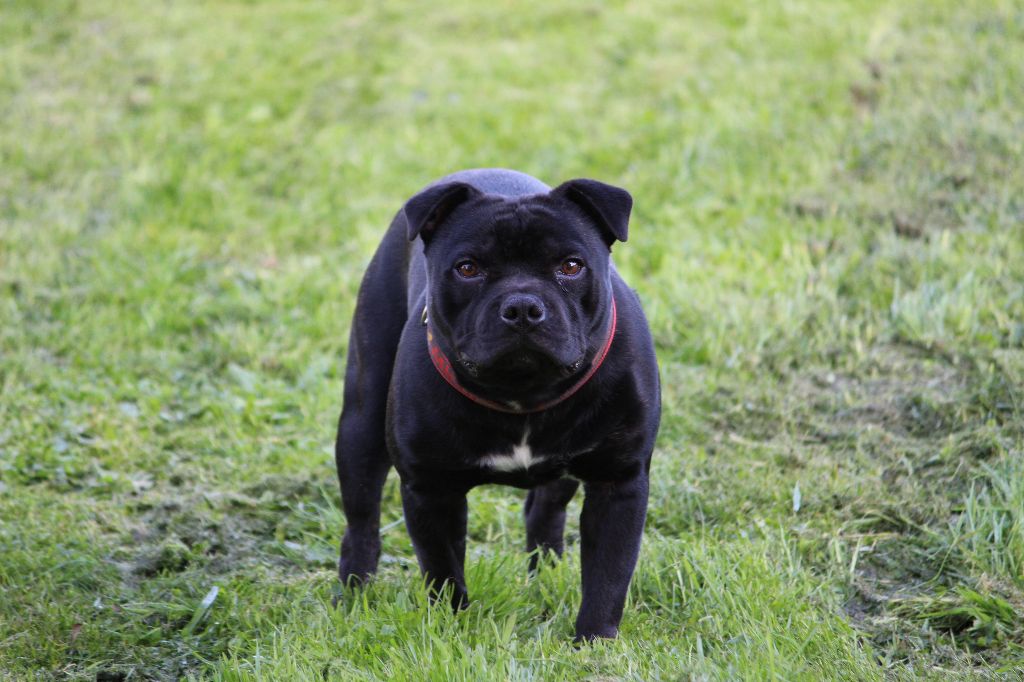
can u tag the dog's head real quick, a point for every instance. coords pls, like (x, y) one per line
(519, 291)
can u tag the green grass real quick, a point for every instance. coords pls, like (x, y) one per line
(828, 239)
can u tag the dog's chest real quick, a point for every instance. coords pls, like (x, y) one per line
(520, 457)
(531, 454)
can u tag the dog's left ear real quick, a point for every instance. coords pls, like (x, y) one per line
(428, 209)
(607, 205)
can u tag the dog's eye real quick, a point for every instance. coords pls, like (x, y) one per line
(571, 267)
(467, 269)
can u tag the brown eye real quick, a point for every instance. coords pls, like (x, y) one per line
(467, 269)
(571, 267)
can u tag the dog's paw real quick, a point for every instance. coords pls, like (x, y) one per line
(353, 572)
(358, 561)
(591, 634)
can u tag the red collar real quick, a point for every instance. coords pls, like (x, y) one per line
(444, 367)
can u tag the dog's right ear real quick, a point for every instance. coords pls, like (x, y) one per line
(428, 209)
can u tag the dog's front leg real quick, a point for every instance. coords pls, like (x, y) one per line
(436, 520)
(611, 526)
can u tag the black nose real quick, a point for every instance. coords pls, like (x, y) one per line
(522, 311)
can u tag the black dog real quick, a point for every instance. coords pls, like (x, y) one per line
(502, 347)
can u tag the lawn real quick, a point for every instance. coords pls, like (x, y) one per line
(828, 238)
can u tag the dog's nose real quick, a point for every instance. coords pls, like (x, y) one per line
(523, 311)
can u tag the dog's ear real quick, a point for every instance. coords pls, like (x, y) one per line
(428, 209)
(607, 205)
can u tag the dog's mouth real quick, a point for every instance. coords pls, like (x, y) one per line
(519, 366)
(523, 363)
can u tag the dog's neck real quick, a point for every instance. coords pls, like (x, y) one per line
(445, 369)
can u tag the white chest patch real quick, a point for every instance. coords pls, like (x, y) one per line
(521, 457)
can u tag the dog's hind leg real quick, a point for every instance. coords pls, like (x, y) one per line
(361, 451)
(545, 517)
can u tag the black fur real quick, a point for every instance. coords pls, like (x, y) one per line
(398, 410)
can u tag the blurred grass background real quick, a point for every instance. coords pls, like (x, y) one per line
(827, 239)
